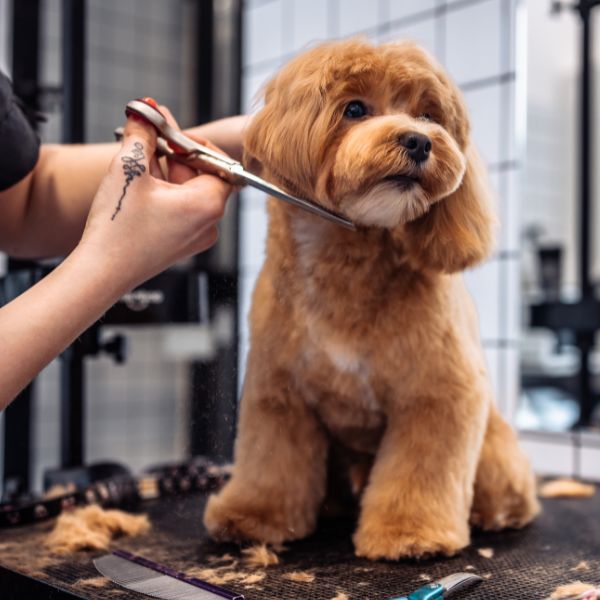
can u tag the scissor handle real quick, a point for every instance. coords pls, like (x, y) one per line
(432, 591)
(178, 142)
(194, 160)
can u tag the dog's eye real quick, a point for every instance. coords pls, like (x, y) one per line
(426, 116)
(355, 110)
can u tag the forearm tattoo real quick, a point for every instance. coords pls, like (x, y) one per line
(132, 168)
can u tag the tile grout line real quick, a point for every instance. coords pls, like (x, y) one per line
(437, 13)
(503, 287)
(440, 25)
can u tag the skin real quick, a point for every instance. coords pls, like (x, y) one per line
(67, 205)
(62, 186)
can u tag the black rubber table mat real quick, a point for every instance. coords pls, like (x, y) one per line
(527, 564)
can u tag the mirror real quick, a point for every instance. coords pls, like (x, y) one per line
(560, 362)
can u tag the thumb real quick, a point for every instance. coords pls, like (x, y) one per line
(139, 135)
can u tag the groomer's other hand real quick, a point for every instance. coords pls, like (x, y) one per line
(139, 224)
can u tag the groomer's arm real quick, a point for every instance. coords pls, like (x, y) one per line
(44, 214)
(137, 226)
(225, 133)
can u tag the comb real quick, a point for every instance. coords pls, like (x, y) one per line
(147, 577)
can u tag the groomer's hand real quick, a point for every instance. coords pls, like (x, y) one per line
(139, 224)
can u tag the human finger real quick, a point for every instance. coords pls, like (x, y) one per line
(208, 239)
(208, 197)
(177, 172)
(155, 169)
(139, 135)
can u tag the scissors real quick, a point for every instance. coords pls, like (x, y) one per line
(443, 587)
(178, 146)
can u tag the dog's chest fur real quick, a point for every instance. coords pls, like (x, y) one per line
(344, 304)
(338, 381)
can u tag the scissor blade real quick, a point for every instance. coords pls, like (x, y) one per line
(457, 581)
(273, 190)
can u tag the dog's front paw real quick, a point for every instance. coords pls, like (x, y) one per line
(505, 487)
(232, 518)
(384, 540)
(497, 507)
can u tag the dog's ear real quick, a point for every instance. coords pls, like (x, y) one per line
(282, 133)
(286, 136)
(253, 142)
(458, 231)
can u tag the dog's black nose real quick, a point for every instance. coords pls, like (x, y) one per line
(418, 146)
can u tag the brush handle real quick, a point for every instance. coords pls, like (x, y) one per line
(149, 564)
(121, 492)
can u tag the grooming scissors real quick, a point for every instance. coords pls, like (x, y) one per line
(178, 146)
(443, 587)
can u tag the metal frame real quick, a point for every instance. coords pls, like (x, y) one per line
(72, 408)
(73, 70)
(214, 385)
(586, 341)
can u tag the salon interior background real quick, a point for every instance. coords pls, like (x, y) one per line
(137, 413)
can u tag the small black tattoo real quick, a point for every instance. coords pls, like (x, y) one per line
(132, 167)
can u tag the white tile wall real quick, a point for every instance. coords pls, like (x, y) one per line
(510, 146)
(483, 282)
(46, 422)
(399, 9)
(248, 284)
(263, 32)
(590, 463)
(253, 238)
(484, 110)
(135, 413)
(5, 53)
(575, 454)
(509, 382)
(549, 457)
(251, 87)
(474, 53)
(509, 184)
(308, 22)
(421, 32)
(510, 287)
(357, 16)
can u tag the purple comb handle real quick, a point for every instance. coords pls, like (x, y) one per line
(144, 562)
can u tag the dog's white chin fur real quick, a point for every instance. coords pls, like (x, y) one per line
(386, 205)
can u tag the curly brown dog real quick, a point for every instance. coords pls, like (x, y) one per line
(369, 339)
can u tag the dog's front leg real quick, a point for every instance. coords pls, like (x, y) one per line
(419, 495)
(278, 481)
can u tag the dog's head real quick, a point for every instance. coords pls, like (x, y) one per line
(378, 134)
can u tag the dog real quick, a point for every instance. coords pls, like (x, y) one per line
(368, 340)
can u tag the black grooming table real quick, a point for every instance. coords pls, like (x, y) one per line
(527, 564)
